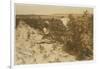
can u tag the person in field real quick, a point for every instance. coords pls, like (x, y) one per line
(64, 20)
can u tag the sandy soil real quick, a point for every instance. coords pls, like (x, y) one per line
(30, 48)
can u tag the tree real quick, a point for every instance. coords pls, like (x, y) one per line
(80, 31)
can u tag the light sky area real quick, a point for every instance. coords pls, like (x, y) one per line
(25, 9)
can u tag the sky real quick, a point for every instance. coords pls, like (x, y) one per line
(48, 9)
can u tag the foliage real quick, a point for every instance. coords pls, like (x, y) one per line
(81, 30)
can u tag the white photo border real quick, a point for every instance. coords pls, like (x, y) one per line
(51, 65)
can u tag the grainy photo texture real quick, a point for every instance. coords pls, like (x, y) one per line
(51, 34)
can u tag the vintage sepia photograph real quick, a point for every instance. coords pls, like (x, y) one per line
(52, 34)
